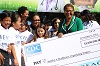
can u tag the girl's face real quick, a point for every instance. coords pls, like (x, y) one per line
(40, 32)
(23, 27)
(17, 25)
(25, 15)
(6, 22)
(56, 24)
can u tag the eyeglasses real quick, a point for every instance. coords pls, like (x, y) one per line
(22, 25)
(36, 20)
(68, 11)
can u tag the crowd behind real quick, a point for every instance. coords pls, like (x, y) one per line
(16, 30)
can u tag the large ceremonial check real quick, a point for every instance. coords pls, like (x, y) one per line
(81, 48)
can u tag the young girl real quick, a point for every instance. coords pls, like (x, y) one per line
(15, 25)
(7, 50)
(40, 34)
(55, 25)
(25, 36)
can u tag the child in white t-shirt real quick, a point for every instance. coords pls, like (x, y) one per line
(15, 25)
(7, 50)
(25, 37)
(25, 34)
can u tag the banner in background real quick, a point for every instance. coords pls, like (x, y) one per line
(50, 6)
(81, 48)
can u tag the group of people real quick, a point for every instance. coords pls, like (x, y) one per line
(15, 31)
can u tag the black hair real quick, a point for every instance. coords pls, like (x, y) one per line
(32, 15)
(47, 22)
(4, 15)
(8, 12)
(22, 9)
(88, 15)
(14, 17)
(77, 14)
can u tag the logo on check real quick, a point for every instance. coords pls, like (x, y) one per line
(32, 49)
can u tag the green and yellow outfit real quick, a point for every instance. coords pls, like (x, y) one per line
(75, 25)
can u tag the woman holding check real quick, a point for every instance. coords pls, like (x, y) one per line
(70, 23)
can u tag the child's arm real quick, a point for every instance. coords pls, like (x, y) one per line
(14, 54)
(1, 59)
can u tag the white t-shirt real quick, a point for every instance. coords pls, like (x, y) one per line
(91, 24)
(26, 36)
(1, 28)
(39, 40)
(16, 34)
(5, 39)
(17, 43)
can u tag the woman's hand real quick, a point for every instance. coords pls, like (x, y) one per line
(60, 35)
(1, 59)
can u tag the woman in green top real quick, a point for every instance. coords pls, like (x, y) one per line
(70, 23)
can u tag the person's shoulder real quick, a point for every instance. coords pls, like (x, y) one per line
(27, 32)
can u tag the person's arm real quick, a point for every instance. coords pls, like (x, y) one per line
(60, 28)
(60, 33)
(1, 59)
(14, 54)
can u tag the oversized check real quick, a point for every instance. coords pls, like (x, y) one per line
(81, 48)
